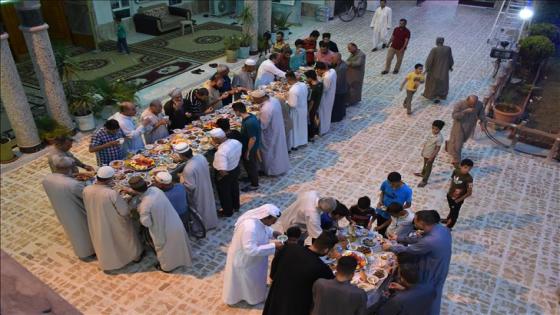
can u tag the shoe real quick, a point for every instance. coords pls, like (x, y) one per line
(222, 214)
(422, 184)
(384, 46)
(250, 188)
(88, 258)
(436, 101)
(418, 174)
(375, 49)
(384, 72)
(409, 113)
(245, 180)
(395, 71)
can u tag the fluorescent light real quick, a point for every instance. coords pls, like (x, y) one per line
(526, 13)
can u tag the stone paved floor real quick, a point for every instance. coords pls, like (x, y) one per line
(505, 251)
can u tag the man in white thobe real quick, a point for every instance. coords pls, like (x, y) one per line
(197, 181)
(112, 231)
(297, 100)
(268, 71)
(133, 132)
(275, 159)
(65, 195)
(327, 101)
(305, 213)
(247, 259)
(381, 24)
(169, 237)
(155, 125)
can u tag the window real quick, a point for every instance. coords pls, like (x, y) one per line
(121, 8)
(173, 2)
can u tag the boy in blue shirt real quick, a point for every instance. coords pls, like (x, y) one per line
(393, 190)
(122, 46)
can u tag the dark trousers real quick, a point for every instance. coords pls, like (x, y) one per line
(122, 46)
(427, 169)
(313, 126)
(228, 190)
(454, 208)
(339, 108)
(252, 168)
(381, 220)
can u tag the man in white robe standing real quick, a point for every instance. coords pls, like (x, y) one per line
(268, 71)
(327, 101)
(169, 237)
(275, 159)
(65, 195)
(305, 213)
(247, 260)
(381, 24)
(132, 131)
(155, 125)
(112, 231)
(196, 178)
(297, 100)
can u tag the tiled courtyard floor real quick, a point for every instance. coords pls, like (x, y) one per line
(506, 243)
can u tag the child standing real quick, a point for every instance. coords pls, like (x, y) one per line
(460, 188)
(298, 58)
(412, 81)
(430, 150)
(122, 46)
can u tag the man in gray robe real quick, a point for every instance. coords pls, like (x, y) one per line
(355, 74)
(197, 181)
(437, 67)
(275, 159)
(155, 125)
(112, 231)
(341, 96)
(433, 252)
(62, 146)
(65, 195)
(465, 114)
(169, 237)
(245, 78)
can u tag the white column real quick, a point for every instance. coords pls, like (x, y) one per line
(254, 27)
(15, 102)
(265, 16)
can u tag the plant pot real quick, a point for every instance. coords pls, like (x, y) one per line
(231, 56)
(503, 112)
(85, 123)
(6, 153)
(243, 52)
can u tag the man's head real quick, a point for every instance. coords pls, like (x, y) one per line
(268, 213)
(258, 96)
(217, 81)
(383, 3)
(418, 68)
(346, 267)
(239, 108)
(402, 23)
(287, 52)
(202, 94)
(223, 123)
(321, 68)
(324, 243)
(314, 35)
(426, 219)
(112, 126)
(291, 77)
(274, 58)
(327, 204)
(310, 76)
(323, 48)
(164, 180)
(326, 37)
(184, 150)
(250, 65)
(218, 136)
(408, 274)
(176, 95)
(396, 210)
(466, 166)
(222, 70)
(341, 211)
(352, 48)
(127, 108)
(155, 106)
(63, 165)
(293, 233)
(395, 180)
(364, 203)
(63, 143)
(472, 100)
(299, 43)
(439, 41)
(437, 126)
(138, 183)
(279, 36)
(105, 174)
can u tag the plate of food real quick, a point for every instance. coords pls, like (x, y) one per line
(360, 258)
(369, 242)
(141, 163)
(177, 130)
(84, 176)
(206, 147)
(149, 146)
(162, 141)
(361, 231)
(364, 250)
(171, 166)
(116, 164)
(380, 273)
(328, 260)
(372, 280)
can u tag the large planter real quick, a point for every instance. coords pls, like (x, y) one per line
(231, 56)
(85, 123)
(506, 113)
(6, 153)
(243, 52)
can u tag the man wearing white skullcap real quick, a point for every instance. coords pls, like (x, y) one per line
(113, 233)
(246, 77)
(65, 194)
(226, 163)
(247, 260)
(176, 193)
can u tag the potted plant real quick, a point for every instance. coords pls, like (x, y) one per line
(535, 49)
(82, 104)
(49, 129)
(505, 109)
(281, 22)
(231, 45)
(245, 45)
(246, 19)
(123, 91)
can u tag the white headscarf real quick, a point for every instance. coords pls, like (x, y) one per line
(259, 213)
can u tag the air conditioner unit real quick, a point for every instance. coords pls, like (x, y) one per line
(221, 7)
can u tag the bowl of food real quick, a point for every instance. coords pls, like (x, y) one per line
(140, 163)
(162, 141)
(360, 258)
(282, 238)
(171, 166)
(364, 250)
(380, 273)
(369, 242)
(116, 164)
(83, 176)
(149, 147)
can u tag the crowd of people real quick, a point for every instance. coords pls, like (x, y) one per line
(98, 221)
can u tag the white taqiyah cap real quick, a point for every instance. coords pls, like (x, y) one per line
(181, 147)
(257, 93)
(217, 133)
(163, 177)
(250, 62)
(105, 172)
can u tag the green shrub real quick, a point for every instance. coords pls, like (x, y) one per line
(535, 49)
(231, 42)
(50, 129)
(546, 29)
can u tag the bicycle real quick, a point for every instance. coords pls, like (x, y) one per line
(352, 9)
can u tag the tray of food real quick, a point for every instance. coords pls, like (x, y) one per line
(360, 258)
(83, 177)
(140, 162)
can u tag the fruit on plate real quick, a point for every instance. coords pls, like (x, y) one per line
(116, 164)
(83, 176)
(360, 258)
(140, 162)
